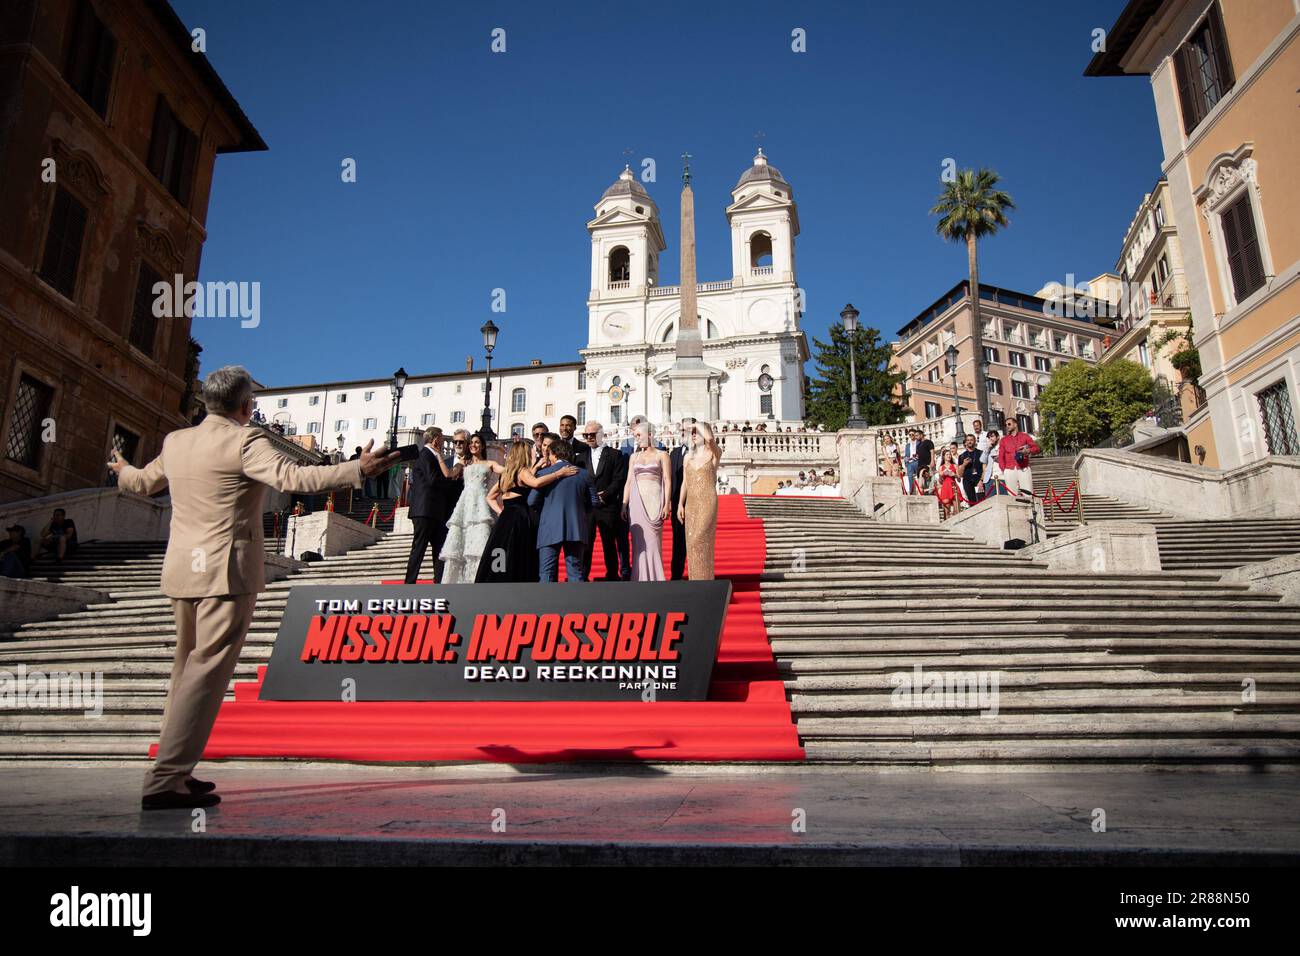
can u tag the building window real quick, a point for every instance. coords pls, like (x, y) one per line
(1042, 364)
(1020, 389)
(582, 379)
(990, 354)
(89, 69)
(63, 240)
(369, 424)
(457, 418)
(518, 400)
(369, 396)
(401, 421)
(932, 410)
(1241, 243)
(144, 324)
(426, 418)
(1026, 423)
(290, 429)
(341, 425)
(281, 403)
(1017, 359)
(616, 414)
(1162, 271)
(173, 151)
(993, 386)
(1059, 343)
(1203, 70)
(517, 430)
(126, 443)
(765, 403)
(426, 391)
(1160, 215)
(340, 398)
(32, 404)
(933, 374)
(581, 415)
(549, 410)
(1279, 422)
(1144, 355)
(550, 381)
(458, 384)
(314, 400)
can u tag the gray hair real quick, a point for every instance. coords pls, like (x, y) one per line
(227, 389)
(432, 432)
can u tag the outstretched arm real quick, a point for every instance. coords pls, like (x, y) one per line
(263, 463)
(148, 480)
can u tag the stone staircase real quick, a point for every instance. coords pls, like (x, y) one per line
(120, 568)
(1184, 543)
(1106, 670)
(131, 639)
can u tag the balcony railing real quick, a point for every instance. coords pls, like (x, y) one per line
(719, 286)
(621, 284)
(761, 271)
(805, 448)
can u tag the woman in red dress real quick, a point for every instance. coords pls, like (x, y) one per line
(948, 484)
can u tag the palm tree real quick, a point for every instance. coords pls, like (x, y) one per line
(969, 208)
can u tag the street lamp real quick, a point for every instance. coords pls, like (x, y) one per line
(398, 386)
(340, 438)
(1051, 426)
(489, 331)
(956, 399)
(850, 319)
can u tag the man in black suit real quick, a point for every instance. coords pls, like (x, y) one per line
(581, 451)
(675, 459)
(430, 501)
(609, 469)
(924, 451)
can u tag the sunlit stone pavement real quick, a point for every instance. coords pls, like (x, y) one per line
(320, 814)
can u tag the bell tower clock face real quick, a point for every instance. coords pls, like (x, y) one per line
(616, 326)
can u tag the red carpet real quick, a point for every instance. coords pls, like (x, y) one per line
(745, 718)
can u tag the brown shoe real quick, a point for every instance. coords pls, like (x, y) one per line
(171, 800)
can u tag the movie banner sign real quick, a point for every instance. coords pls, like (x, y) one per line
(588, 641)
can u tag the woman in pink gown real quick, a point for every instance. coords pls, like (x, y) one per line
(647, 501)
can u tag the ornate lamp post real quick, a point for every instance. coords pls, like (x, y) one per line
(850, 318)
(956, 399)
(340, 438)
(398, 386)
(489, 331)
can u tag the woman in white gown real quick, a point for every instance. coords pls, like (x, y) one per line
(470, 524)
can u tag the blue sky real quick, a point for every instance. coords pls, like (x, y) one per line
(478, 170)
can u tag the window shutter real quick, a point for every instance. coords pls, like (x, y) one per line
(103, 76)
(1220, 37)
(1252, 263)
(1183, 72)
(1232, 245)
(158, 140)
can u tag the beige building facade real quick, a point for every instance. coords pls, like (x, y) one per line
(1224, 76)
(1025, 337)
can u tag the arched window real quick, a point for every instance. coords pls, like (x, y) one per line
(518, 400)
(670, 333)
(620, 264)
(582, 379)
(517, 430)
(581, 414)
(760, 250)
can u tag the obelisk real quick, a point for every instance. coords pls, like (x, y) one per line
(688, 379)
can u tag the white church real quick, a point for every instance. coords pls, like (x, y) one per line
(749, 323)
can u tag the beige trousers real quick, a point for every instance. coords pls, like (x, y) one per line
(210, 633)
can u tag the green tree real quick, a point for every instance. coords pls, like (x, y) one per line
(827, 392)
(970, 208)
(1084, 404)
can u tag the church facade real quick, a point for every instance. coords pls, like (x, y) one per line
(749, 323)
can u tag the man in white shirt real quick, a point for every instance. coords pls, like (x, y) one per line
(981, 436)
(609, 472)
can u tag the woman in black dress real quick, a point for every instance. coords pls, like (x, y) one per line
(511, 552)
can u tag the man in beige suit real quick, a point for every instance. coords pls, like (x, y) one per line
(217, 473)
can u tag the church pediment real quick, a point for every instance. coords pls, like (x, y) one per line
(758, 201)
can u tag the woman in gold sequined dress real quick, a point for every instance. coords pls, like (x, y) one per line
(698, 506)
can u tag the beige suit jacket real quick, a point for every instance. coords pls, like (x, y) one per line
(218, 471)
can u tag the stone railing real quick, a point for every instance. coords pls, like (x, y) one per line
(1269, 488)
(807, 449)
(720, 286)
(100, 514)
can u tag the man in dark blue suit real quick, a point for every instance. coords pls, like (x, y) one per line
(566, 508)
(430, 500)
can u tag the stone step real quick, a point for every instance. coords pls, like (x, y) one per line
(1051, 663)
(1048, 754)
(1141, 643)
(1112, 700)
(1118, 676)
